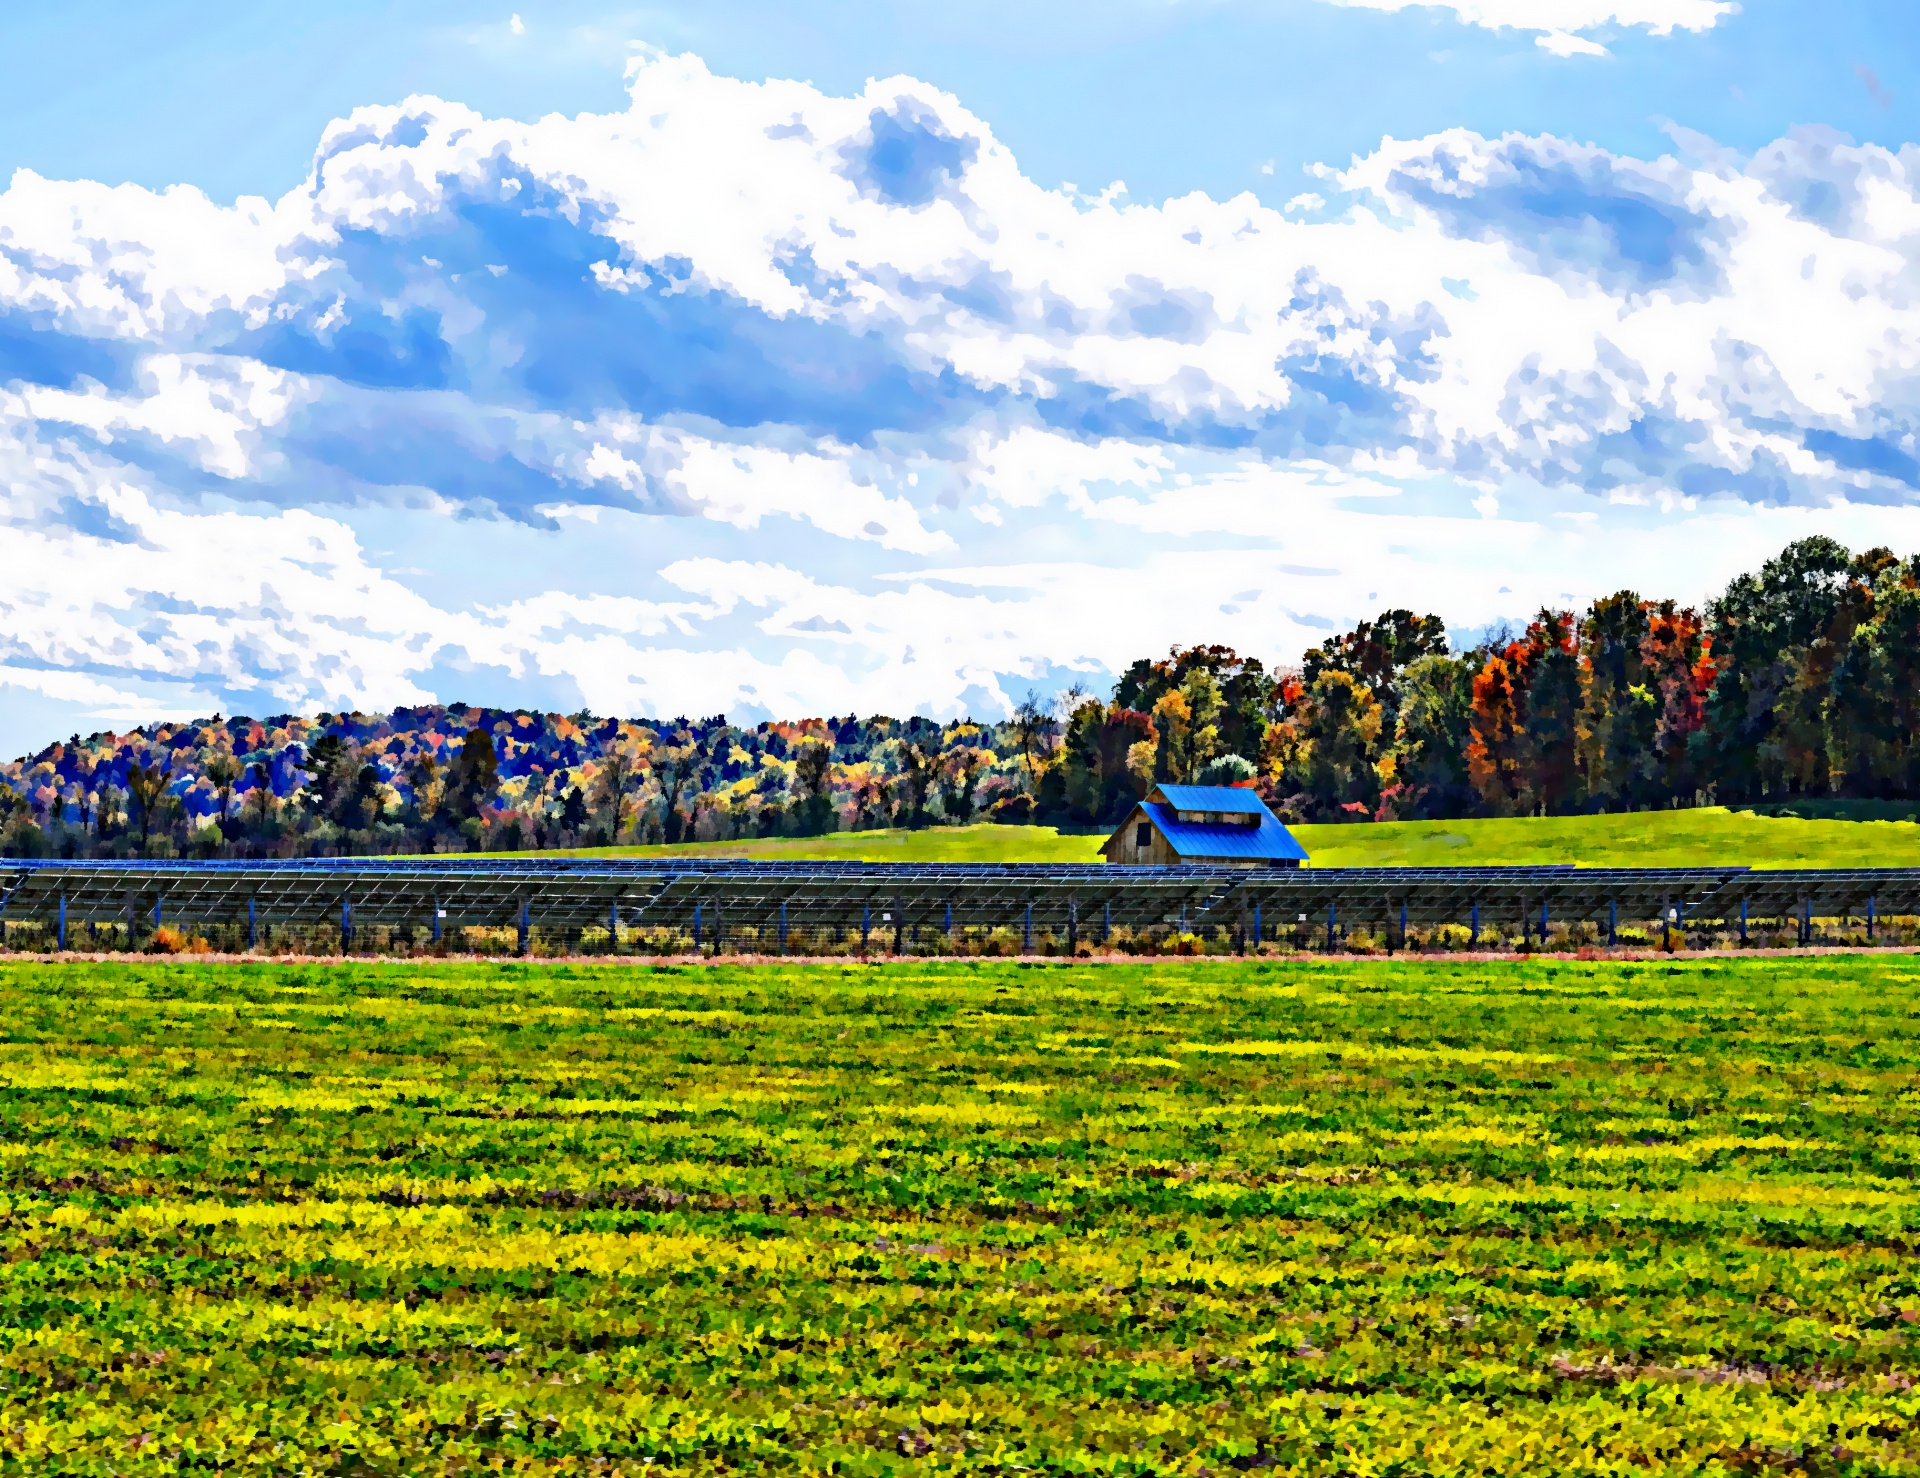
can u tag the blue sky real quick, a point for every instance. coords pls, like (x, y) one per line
(661, 359)
(1169, 95)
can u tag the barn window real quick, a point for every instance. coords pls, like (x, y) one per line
(1143, 835)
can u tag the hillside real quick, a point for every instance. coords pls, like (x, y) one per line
(1710, 835)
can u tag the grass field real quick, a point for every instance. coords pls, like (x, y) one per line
(1353, 1218)
(1707, 836)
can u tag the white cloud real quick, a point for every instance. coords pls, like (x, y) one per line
(778, 387)
(1564, 43)
(1557, 23)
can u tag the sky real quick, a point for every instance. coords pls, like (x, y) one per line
(788, 360)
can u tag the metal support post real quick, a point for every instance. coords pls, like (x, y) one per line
(1256, 926)
(159, 908)
(719, 931)
(1106, 923)
(1026, 947)
(866, 926)
(1680, 920)
(1473, 929)
(783, 926)
(1806, 921)
(61, 938)
(1545, 921)
(613, 927)
(1073, 926)
(346, 923)
(524, 929)
(253, 930)
(1666, 922)
(899, 925)
(1526, 926)
(1403, 924)
(696, 928)
(438, 914)
(1613, 922)
(1743, 921)
(946, 924)
(1330, 927)
(1869, 916)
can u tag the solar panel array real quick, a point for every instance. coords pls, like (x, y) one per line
(1071, 901)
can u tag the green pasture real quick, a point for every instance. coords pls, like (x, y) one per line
(1702, 837)
(1343, 1218)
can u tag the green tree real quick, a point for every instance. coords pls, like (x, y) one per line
(472, 781)
(1874, 717)
(1336, 730)
(1376, 653)
(1764, 630)
(1083, 787)
(1552, 720)
(1618, 711)
(1205, 706)
(332, 769)
(1424, 774)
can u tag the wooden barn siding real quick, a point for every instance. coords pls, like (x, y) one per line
(1120, 847)
(1160, 853)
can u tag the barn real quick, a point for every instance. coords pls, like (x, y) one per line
(1215, 824)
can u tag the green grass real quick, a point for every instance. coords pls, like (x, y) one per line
(1344, 1218)
(981, 843)
(1706, 836)
(1702, 837)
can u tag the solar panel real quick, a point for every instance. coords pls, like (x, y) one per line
(1079, 900)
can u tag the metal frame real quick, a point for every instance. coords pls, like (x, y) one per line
(890, 902)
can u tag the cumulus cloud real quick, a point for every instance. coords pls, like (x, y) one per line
(783, 394)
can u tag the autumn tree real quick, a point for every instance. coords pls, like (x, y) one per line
(1327, 755)
(146, 784)
(1034, 728)
(1497, 746)
(620, 764)
(262, 795)
(961, 767)
(1377, 652)
(916, 781)
(812, 777)
(223, 772)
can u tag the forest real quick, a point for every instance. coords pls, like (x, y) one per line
(1800, 680)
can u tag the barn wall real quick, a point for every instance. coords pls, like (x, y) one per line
(1120, 848)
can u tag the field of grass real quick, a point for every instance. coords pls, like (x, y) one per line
(1342, 1219)
(981, 843)
(1707, 836)
(1703, 837)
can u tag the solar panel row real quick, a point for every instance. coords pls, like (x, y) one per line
(1081, 900)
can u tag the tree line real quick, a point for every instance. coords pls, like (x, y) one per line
(1800, 680)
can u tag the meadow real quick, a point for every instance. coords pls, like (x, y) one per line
(1351, 1217)
(1705, 836)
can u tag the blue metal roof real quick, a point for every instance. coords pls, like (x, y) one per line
(1267, 842)
(1209, 798)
